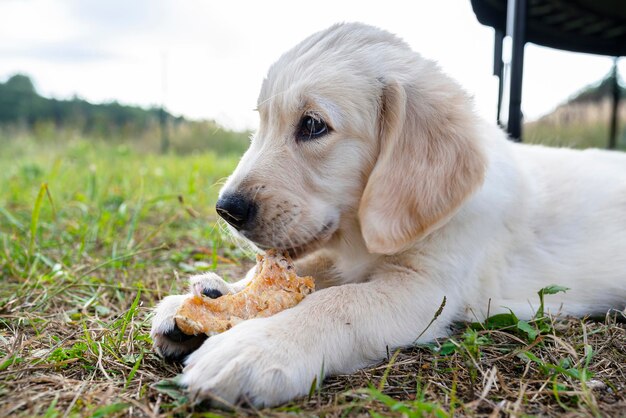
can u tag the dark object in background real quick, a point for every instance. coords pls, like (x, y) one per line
(589, 26)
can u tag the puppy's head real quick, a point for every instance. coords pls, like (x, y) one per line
(354, 127)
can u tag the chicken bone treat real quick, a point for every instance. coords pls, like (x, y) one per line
(274, 288)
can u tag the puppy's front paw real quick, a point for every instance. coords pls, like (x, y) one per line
(169, 341)
(251, 363)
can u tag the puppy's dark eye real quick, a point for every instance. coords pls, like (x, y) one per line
(311, 128)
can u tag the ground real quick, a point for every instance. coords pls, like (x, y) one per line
(93, 235)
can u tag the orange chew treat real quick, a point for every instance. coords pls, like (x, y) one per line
(274, 288)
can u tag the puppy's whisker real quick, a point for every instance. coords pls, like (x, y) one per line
(219, 182)
(215, 226)
(256, 192)
(271, 97)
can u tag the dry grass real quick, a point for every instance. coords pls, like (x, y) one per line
(85, 351)
(64, 358)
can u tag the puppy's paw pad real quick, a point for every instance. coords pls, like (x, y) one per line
(210, 285)
(176, 335)
(212, 293)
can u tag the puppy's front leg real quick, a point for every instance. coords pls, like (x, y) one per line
(169, 341)
(268, 361)
(320, 266)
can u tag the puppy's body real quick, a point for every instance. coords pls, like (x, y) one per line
(543, 216)
(566, 227)
(398, 196)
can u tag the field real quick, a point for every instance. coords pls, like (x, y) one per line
(94, 234)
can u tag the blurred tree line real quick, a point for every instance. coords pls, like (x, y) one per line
(22, 110)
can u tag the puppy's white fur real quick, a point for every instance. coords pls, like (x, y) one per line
(410, 198)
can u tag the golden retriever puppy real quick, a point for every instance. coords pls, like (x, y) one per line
(371, 168)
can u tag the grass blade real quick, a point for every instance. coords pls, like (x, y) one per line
(34, 221)
(12, 220)
(128, 317)
(133, 370)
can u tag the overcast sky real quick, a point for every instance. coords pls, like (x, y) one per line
(206, 59)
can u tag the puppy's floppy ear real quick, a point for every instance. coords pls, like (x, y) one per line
(428, 164)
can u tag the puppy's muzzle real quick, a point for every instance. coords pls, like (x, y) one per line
(236, 209)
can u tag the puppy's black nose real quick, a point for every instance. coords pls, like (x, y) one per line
(236, 209)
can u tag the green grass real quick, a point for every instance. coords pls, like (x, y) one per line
(91, 237)
(574, 135)
(94, 234)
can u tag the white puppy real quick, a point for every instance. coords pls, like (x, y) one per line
(372, 169)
